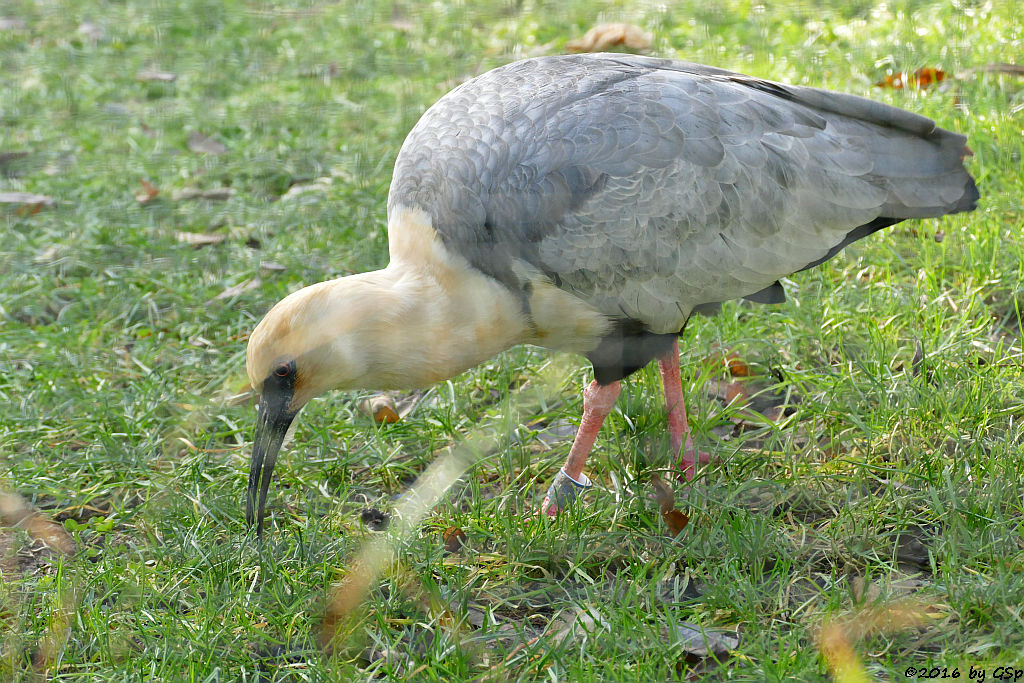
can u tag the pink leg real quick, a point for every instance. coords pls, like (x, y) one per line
(598, 401)
(678, 426)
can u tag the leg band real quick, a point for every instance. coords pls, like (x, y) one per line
(564, 490)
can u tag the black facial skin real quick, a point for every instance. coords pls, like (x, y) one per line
(272, 423)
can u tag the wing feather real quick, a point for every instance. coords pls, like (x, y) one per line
(650, 187)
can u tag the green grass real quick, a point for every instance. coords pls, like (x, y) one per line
(116, 361)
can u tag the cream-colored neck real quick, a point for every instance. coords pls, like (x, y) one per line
(438, 325)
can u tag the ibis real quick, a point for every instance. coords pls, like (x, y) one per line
(592, 204)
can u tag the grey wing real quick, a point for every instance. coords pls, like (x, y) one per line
(649, 187)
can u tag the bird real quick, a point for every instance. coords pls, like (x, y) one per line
(592, 204)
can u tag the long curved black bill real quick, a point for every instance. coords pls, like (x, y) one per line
(271, 426)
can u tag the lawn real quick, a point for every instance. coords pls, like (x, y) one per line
(199, 160)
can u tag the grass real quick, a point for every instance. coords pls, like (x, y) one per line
(895, 489)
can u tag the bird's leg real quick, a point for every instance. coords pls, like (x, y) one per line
(678, 426)
(598, 401)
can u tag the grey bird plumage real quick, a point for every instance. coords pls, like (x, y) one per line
(654, 188)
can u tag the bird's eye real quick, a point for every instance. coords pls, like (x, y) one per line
(282, 370)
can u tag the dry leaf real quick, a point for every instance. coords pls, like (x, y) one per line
(298, 190)
(454, 539)
(912, 548)
(734, 364)
(236, 290)
(156, 75)
(663, 494)
(381, 408)
(698, 642)
(375, 519)
(14, 511)
(25, 199)
(271, 267)
(148, 192)
(50, 532)
(675, 520)
(604, 36)
(203, 144)
(391, 406)
(198, 239)
(922, 78)
(582, 622)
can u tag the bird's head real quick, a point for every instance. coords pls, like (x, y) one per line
(309, 343)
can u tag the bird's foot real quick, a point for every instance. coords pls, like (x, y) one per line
(687, 465)
(563, 492)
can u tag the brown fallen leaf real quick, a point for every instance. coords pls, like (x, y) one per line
(204, 144)
(734, 364)
(381, 408)
(922, 78)
(236, 290)
(454, 539)
(50, 532)
(604, 36)
(14, 511)
(198, 239)
(148, 192)
(674, 519)
(399, 403)
(663, 495)
(148, 75)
